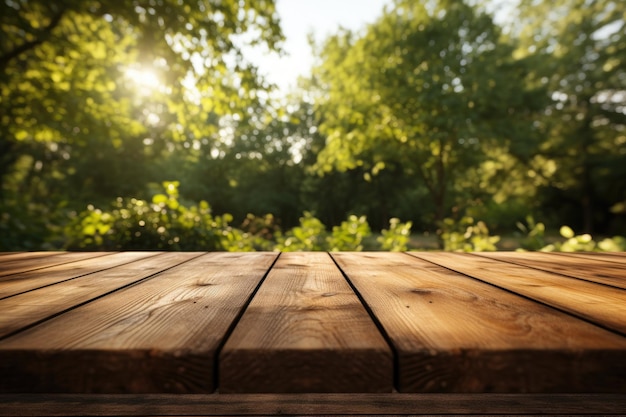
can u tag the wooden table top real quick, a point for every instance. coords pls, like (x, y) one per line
(372, 322)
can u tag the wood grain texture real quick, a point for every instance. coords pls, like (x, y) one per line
(456, 334)
(12, 285)
(597, 303)
(38, 260)
(35, 306)
(160, 335)
(306, 331)
(595, 270)
(312, 404)
(11, 256)
(617, 257)
(608, 254)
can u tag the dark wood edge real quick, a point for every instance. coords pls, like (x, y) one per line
(310, 404)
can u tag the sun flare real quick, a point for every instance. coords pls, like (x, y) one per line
(145, 78)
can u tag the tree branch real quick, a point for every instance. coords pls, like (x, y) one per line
(27, 46)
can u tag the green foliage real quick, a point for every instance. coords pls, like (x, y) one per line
(578, 49)
(166, 223)
(397, 237)
(309, 236)
(614, 244)
(431, 110)
(428, 88)
(585, 243)
(534, 232)
(467, 235)
(93, 103)
(25, 225)
(162, 223)
(349, 235)
(259, 233)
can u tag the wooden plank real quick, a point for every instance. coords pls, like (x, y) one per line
(600, 304)
(27, 281)
(603, 256)
(312, 404)
(160, 335)
(27, 255)
(608, 254)
(306, 331)
(456, 334)
(35, 306)
(15, 266)
(595, 270)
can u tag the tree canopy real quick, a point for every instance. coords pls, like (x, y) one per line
(432, 90)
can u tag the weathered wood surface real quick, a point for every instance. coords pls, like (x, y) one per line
(604, 256)
(486, 329)
(601, 304)
(595, 270)
(158, 336)
(456, 334)
(14, 263)
(38, 278)
(306, 331)
(18, 312)
(312, 404)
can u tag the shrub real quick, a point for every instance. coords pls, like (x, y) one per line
(349, 235)
(309, 236)
(467, 235)
(535, 234)
(162, 224)
(396, 238)
(585, 243)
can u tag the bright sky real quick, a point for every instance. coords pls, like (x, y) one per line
(322, 17)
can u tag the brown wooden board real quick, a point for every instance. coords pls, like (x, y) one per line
(12, 285)
(607, 254)
(27, 255)
(600, 304)
(32, 307)
(601, 256)
(306, 331)
(9, 266)
(595, 270)
(160, 335)
(311, 404)
(456, 334)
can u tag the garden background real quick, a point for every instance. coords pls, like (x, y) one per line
(142, 125)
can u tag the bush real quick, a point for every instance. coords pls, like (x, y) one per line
(165, 223)
(162, 224)
(535, 234)
(397, 237)
(467, 235)
(585, 243)
(309, 236)
(349, 235)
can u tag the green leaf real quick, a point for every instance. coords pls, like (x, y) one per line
(566, 232)
(159, 199)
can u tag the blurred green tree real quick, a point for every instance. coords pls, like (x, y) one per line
(431, 91)
(93, 93)
(579, 50)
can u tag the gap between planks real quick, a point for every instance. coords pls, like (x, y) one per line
(158, 336)
(602, 305)
(587, 268)
(305, 330)
(53, 300)
(457, 334)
